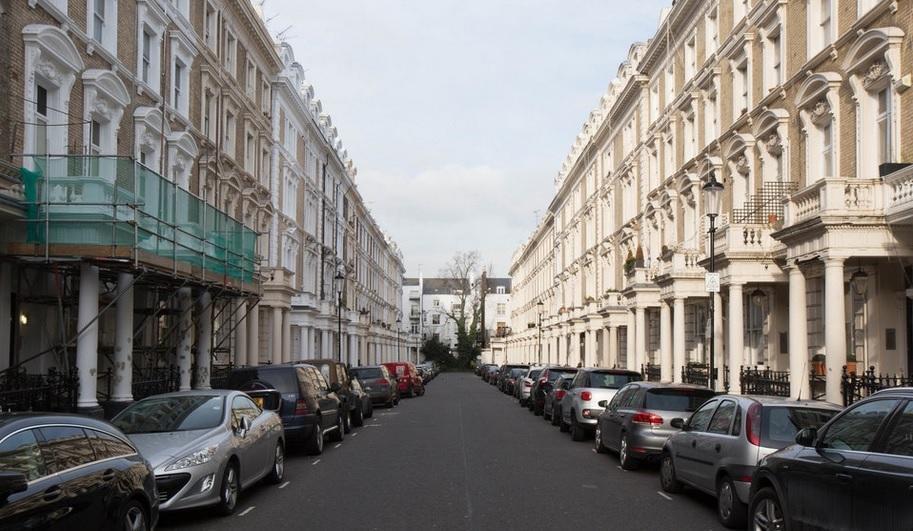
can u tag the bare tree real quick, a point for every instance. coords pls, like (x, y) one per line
(463, 276)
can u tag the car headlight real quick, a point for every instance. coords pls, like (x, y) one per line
(195, 459)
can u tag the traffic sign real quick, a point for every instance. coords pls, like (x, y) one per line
(712, 282)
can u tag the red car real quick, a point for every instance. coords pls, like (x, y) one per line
(408, 380)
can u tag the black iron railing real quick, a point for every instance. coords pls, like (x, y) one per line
(148, 381)
(53, 391)
(696, 373)
(651, 372)
(765, 207)
(858, 386)
(218, 375)
(766, 382)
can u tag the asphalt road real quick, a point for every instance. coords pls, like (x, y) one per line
(464, 456)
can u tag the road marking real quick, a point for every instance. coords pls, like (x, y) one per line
(284, 485)
(315, 461)
(589, 486)
(354, 435)
(619, 468)
(338, 445)
(664, 495)
(245, 511)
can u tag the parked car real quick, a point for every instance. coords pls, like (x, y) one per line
(62, 471)
(510, 379)
(424, 373)
(551, 406)
(489, 374)
(544, 384)
(525, 384)
(363, 402)
(310, 409)
(206, 446)
(580, 405)
(637, 421)
(720, 445)
(504, 373)
(408, 381)
(482, 368)
(337, 373)
(855, 472)
(377, 381)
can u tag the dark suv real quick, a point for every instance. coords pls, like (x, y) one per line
(310, 406)
(338, 373)
(378, 383)
(855, 472)
(544, 384)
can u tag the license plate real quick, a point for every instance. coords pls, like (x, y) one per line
(258, 400)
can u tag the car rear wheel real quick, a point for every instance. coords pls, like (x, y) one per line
(231, 486)
(358, 417)
(730, 509)
(766, 511)
(340, 432)
(667, 478)
(578, 432)
(562, 426)
(135, 517)
(315, 444)
(597, 441)
(625, 460)
(555, 417)
(277, 471)
(346, 425)
(370, 412)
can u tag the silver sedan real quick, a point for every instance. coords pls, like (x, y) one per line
(207, 446)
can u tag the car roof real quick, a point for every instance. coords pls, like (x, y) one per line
(16, 420)
(895, 391)
(669, 385)
(198, 392)
(608, 371)
(367, 367)
(779, 401)
(273, 367)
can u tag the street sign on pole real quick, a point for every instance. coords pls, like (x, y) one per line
(712, 282)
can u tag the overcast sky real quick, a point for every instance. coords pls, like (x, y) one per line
(458, 113)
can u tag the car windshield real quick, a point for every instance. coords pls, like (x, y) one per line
(171, 413)
(368, 373)
(686, 400)
(607, 380)
(534, 374)
(554, 375)
(779, 425)
(517, 372)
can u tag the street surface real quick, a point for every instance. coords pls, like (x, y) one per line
(464, 456)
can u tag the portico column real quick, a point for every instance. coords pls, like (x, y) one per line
(736, 337)
(834, 330)
(562, 348)
(302, 342)
(631, 358)
(276, 339)
(612, 360)
(798, 335)
(286, 337)
(678, 338)
(185, 342)
(253, 335)
(665, 341)
(123, 341)
(719, 362)
(589, 356)
(87, 342)
(326, 346)
(241, 332)
(640, 345)
(204, 341)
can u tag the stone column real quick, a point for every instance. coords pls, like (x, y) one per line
(185, 342)
(562, 349)
(302, 342)
(326, 345)
(736, 337)
(834, 330)
(241, 332)
(631, 359)
(589, 356)
(612, 360)
(275, 349)
(678, 338)
(665, 341)
(640, 343)
(204, 341)
(720, 361)
(798, 335)
(253, 335)
(286, 336)
(123, 342)
(87, 341)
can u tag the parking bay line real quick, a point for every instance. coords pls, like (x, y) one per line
(284, 485)
(664, 495)
(245, 511)
(338, 445)
(315, 461)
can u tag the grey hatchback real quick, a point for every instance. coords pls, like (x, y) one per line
(720, 445)
(637, 421)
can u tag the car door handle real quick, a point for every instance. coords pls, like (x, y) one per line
(844, 478)
(52, 493)
(694, 444)
(717, 448)
(108, 475)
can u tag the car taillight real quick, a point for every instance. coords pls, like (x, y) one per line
(559, 394)
(527, 384)
(753, 425)
(542, 381)
(301, 407)
(383, 381)
(586, 396)
(645, 417)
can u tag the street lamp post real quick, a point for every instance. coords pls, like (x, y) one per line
(713, 190)
(539, 306)
(399, 349)
(340, 278)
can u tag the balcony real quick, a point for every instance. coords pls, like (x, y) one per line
(115, 208)
(682, 263)
(899, 195)
(837, 197)
(744, 238)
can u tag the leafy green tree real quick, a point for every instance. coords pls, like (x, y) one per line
(436, 351)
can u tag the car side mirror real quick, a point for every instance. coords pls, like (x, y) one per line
(12, 483)
(603, 404)
(243, 427)
(807, 437)
(335, 387)
(678, 423)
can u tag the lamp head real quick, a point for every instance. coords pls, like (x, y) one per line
(713, 194)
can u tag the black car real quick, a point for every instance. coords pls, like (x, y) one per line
(378, 383)
(338, 373)
(855, 472)
(544, 384)
(504, 374)
(362, 399)
(310, 407)
(71, 472)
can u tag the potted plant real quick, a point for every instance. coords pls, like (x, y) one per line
(851, 363)
(819, 367)
(630, 262)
